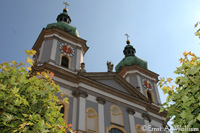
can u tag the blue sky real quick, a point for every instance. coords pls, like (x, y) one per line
(160, 30)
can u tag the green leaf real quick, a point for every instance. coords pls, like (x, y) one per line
(17, 102)
(198, 117)
(162, 109)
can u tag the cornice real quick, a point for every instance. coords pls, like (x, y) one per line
(61, 33)
(140, 69)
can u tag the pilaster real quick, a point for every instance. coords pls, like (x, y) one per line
(101, 102)
(53, 50)
(81, 95)
(131, 112)
(147, 120)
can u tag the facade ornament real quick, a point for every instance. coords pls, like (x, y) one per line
(101, 100)
(109, 66)
(138, 88)
(130, 111)
(82, 70)
(146, 116)
(78, 93)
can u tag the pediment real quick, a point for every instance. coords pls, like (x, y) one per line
(115, 81)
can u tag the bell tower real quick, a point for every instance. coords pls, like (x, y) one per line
(135, 71)
(59, 44)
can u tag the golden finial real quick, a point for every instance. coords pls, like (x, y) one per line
(127, 41)
(66, 5)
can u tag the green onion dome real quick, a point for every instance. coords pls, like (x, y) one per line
(130, 59)
(63, 23)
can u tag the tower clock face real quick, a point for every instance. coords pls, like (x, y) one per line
(66, 49)
(147, 84)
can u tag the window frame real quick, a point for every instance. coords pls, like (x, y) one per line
(69, 61)
(121, 115)
(95, 118)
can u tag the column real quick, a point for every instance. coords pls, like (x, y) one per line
(101, 102)
(147, 121)
(81, 95)
(131, 112)
(53, 50)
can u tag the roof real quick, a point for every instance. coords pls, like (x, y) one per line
(65, 27)
(130, 61)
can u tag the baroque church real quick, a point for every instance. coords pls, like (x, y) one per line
(123, 101)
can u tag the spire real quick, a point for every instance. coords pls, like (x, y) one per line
(64, 17)
(129, 50)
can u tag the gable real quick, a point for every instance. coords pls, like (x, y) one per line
(114, 84)
(114, 81)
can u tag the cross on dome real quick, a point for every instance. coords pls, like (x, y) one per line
(66, 5)
(127, 36)
(127, 41)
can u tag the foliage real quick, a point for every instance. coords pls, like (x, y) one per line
(27, 101)
(183, 101)
(197, 33)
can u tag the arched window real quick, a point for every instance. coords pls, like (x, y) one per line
(138, 129)
(65, 62)
(150, 96)
(115, 130)
(64, 110)
(91, 121)
(116, 115)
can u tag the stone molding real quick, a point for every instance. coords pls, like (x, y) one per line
(78, 93)
(101, 100)
(146, 117)
(130, 111)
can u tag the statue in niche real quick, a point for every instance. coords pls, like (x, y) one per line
(109, 66)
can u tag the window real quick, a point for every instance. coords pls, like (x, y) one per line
(64, 110)
(91, 121)
(115, 130)
(150, 96)
(65, 61)
(138, 129)
(116, 115)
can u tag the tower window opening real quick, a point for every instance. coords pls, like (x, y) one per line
(60, 19)
(149, 96)
(65, 62)
(65, 19)
(129, 51)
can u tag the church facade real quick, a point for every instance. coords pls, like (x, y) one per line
(99, 102)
